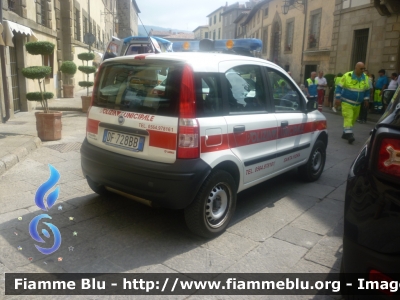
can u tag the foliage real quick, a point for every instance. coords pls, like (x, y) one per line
(68, 67)
(330, 79)
(36, 72)
(85, 83)
(40, 48)
(86, 56)
(87, 69)
(37, 96)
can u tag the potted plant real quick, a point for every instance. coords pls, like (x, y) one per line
(48, 123)
(86, 56)
(69, 69)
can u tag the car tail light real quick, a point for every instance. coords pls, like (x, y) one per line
(375, 275)
(188, 131)
(389, 157)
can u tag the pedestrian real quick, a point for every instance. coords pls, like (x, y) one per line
(336, 80)
(321, 89)
(372, 89)
(352, 92)
(393, 84)
(311, 85)
(380, 85)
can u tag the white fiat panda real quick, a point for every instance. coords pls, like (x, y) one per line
(191, 130)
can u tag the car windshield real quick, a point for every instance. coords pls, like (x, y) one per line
(132, 88)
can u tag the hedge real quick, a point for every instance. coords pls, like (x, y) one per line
(87, 69)
(36, 72)
(68, 67)
(37, 96)
(40, 48)
(86, 56)
(85, 83)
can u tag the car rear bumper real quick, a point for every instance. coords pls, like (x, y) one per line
(165, 185)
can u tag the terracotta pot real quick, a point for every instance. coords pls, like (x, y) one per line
(86, 103)
(48, 125)
(68, 91)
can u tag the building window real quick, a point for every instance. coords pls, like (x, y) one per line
(266, 12)
(315, 23)
(41, 7)
(48, 61)
(220, 16)
(206, 35)
(354, 3)
(11, 5)
(265, 41)
(289, 35)
(77, 25)
(210, 21)
(85, 26)
(215, 19)
(214, 35)
(219, 33)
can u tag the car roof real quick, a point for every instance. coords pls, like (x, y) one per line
(200, 61)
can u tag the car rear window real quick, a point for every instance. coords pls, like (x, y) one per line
(151, 88)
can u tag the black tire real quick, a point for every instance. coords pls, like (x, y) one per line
(211, 211)
(312, 170)
(97, 188)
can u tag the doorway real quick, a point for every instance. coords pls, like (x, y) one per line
(308, 69)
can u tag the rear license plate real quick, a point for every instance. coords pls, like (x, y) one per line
(123, 140)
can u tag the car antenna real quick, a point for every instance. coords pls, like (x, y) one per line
(148, 34)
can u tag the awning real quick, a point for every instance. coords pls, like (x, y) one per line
(9, 27)
(1, 37)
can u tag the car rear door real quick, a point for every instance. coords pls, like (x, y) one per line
(128, 118)
(252, 129)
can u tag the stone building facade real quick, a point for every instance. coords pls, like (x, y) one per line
(64, 23)
(366, 30)
(201, 32)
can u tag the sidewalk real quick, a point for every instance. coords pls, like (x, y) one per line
(18, 136)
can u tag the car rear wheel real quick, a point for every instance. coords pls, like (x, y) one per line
(212, 209)
(97, 188)
(312, 170)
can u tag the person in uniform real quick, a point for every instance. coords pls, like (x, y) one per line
(351, 92)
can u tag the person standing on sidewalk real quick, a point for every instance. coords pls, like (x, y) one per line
(352, 92)
(364, 107)
(321, 89)
(311, 88)
(380, 85)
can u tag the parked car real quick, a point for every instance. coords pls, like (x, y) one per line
(198, 139)
(371, 240)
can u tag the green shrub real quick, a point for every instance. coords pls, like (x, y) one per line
(40, 48)
(68, 67)
(85, 83)
(87, 69)
(37, 96)
(86, 56)
(330, 79)
(36, 72)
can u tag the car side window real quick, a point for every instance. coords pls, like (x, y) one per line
(246, 90)
(208, 95)
(286, 96)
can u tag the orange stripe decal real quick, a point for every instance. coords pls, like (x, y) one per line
(164, 140)
(92, 126)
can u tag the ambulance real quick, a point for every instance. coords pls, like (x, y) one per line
(220, 124)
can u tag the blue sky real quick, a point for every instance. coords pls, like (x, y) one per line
(178, 14)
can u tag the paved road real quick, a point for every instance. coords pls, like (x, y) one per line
(282, 225)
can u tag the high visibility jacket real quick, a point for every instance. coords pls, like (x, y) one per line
(337, 80)
(352, 90)
(312, 87)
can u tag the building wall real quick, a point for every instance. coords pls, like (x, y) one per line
(217, 26)
(383, 40)
(127, 19)
(200, 33)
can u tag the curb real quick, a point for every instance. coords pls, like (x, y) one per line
(10, 160)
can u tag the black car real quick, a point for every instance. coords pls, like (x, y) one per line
(371, 239)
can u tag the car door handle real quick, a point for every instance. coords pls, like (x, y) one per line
(284, 124)
(239, 129)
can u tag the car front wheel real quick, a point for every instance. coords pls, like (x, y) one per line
(212, 209)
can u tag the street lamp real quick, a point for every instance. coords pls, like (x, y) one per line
(287, 3)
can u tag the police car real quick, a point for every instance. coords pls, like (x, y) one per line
(205, 138)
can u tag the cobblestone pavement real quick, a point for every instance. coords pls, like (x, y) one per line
(282, 225)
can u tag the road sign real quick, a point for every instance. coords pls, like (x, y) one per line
(89, 38)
